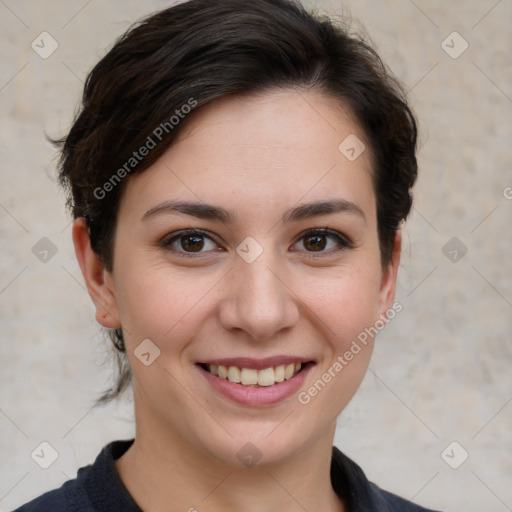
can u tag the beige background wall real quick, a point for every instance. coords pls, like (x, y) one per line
(441, 371)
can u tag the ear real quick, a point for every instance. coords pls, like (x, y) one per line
(99, 282)
(388, 283)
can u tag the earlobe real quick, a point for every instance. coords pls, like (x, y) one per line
(389, 275)
(99, 286)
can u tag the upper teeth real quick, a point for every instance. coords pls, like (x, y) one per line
(251, 377)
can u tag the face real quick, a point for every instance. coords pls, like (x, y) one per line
(250, 248)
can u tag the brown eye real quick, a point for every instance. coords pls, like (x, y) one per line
(323, 241)
(189, 242)
(315, 242)
(192, 243)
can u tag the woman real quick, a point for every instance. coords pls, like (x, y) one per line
(238, 175)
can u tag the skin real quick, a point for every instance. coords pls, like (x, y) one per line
(257, 157)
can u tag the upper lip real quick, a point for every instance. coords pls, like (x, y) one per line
(256, 364)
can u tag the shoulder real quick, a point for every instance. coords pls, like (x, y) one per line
(385, 500)
(349, 480)
(96, 486)
(62, 499)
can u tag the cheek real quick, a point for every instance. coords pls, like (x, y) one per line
(345, 304)
(345, 309)
(161, 303)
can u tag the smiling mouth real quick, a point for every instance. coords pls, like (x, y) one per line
(251, 377)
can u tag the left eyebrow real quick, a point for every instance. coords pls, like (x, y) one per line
(211, 212)
(307, 210)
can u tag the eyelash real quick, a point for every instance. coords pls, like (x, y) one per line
(342, 241)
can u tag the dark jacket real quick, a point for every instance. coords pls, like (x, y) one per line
(98, 488)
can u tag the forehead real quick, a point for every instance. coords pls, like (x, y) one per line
(267, 149)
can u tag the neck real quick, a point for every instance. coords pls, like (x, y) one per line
(159, 470)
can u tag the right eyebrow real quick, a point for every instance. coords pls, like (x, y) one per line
(200, 210)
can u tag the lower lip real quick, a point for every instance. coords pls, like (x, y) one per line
(257, 396)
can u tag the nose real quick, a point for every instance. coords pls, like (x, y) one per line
(258, 301)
